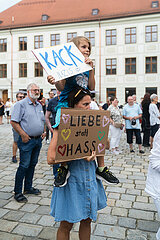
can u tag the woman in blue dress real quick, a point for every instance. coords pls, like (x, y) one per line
(83, 195)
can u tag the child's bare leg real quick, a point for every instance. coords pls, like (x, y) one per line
(100, 161)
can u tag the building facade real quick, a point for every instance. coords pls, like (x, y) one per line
(125, 51)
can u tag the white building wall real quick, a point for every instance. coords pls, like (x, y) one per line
(120, 51)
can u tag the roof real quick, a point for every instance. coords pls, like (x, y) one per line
(28, 13)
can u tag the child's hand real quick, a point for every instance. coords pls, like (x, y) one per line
(92, 157)
(89, 61)
(51, 79)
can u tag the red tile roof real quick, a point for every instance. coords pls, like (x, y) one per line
(29, 12)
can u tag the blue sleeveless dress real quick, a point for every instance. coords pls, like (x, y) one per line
(81, 197)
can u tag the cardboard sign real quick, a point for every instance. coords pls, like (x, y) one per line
(62, 61)
(80, 132)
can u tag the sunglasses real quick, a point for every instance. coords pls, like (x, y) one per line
(21, 97)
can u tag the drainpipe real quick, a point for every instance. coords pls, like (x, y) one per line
(11, 65)
(99, 60)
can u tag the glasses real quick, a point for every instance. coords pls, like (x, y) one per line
(21, 97)
(35, 90)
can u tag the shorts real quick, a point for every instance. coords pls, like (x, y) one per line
(7, 112)
(154, 129)
(130, 136)
(58, 112)
(15, 136)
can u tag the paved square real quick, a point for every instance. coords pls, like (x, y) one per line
(130, 214)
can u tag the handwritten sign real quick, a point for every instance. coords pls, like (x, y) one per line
(62, 61)
(80, 132)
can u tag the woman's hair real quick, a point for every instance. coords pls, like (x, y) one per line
(112, 98)
(8, 99)
(76, 95)
(153, 96)
(146, 99)
(77, 40)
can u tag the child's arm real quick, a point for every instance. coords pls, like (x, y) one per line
(52, 148)
(91, 81)
(59, 84)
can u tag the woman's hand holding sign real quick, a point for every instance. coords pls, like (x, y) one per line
(92, 157)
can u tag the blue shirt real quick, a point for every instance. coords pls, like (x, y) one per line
(71, 82)
(51, 107)
(132, 111)
(29, 116)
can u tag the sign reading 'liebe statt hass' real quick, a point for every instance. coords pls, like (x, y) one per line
(80, 132)
(62, 61)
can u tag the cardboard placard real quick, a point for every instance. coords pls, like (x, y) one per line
(80, 132)
(62, 61)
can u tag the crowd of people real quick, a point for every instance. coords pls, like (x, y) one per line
(80, 178)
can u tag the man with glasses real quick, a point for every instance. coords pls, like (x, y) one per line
(28, 120)
(19, 96)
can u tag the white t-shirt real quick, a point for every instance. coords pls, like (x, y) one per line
(94, 106)
(8, 106)
(154, 114)
(153, 176)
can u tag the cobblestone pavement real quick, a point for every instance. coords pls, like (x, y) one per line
(130, 213)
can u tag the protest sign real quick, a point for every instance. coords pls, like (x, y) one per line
(62, 61)
(80, 132)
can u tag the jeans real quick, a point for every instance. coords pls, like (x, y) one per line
(29, 153)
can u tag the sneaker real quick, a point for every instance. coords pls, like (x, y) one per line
(107, 176)
(14, 159)
(19, 197)
(62, 176)
(33, 190)
(132, 151)
(141, 151)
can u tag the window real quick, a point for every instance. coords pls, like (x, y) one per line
(55, 39)
(22, 69)
(38, 41)
(3, 45)
(130, 35)
(151, 34)
(91, 37)
(22, 43)
(151, 64)
(111, 92)
(3, 70)
(130, 65)
(71, 35)
(129, 92)
(155, 4)
(111, 65)
(151, 90)
(111, 37)
(38, 70)
(44, 17)
(95, 11)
